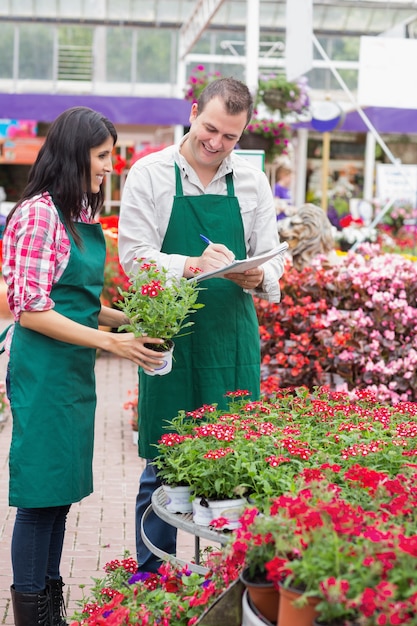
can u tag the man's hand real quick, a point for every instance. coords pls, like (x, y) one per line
(214, 257)
(249, 279)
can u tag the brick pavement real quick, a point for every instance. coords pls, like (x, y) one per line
(101, 527)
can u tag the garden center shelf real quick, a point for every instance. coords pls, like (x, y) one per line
(183, 521)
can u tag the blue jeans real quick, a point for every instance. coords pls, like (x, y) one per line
(37, 542)
(161, 534)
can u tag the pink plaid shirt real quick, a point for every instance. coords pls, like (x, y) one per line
(36, 251)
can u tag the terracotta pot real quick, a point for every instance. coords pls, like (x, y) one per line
(292, 615)
(250, 614)
(263, 596)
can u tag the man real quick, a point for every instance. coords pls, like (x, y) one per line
(170, 198)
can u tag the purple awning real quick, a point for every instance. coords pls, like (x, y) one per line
(385, 120)
(120, 110)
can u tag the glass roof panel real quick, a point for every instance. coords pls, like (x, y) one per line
(119, 9)
(335, 18)
(44, 7)
(67, 9)
(232, 13)
(143, 10)
(354, 16)
(173, 11)
(383, 20)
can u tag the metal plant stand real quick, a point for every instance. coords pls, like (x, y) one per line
(183, 521)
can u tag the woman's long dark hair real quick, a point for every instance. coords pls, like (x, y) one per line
(63, 165)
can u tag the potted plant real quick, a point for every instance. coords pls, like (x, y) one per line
(279, 94)
(206, 467)
(173, 464)
(213, 453)
(260, 539)
(158, 305)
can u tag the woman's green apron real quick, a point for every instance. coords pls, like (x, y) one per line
(222, 352)
(52, 388)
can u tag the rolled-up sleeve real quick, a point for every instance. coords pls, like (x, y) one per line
(145, 211)
(35, 253)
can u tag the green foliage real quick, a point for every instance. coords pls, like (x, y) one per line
(158, 305)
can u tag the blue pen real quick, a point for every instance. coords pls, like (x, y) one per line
(206, 240)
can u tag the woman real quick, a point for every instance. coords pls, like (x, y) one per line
(53, 262)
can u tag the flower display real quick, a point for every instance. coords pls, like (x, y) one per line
(197, 81)
(353, 230)
(333, 512)
(275, 133)
(213, 452)
(401, 214)
(158, 305)
(174, 597)
(256, 448)
(131, 405)
(355, 319)
(358, 561)
(279, 94)
(341, 525)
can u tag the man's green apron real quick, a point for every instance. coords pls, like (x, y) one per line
(222, 353)
(53, 397)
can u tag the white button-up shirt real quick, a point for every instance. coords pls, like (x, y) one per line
(147, 203)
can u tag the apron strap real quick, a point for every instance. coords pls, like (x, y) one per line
(3, 336)
(178, 182)
(230, 185)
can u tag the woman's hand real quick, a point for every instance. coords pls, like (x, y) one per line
(62, 328)
(133, 348)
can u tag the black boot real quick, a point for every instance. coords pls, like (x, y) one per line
(56, 601)
(30, 609)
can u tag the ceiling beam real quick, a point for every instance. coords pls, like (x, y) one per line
(193, 28)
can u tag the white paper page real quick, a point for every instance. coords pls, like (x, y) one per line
(242, 266)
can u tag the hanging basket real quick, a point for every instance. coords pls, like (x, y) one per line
(275, 100)
(253, 141)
